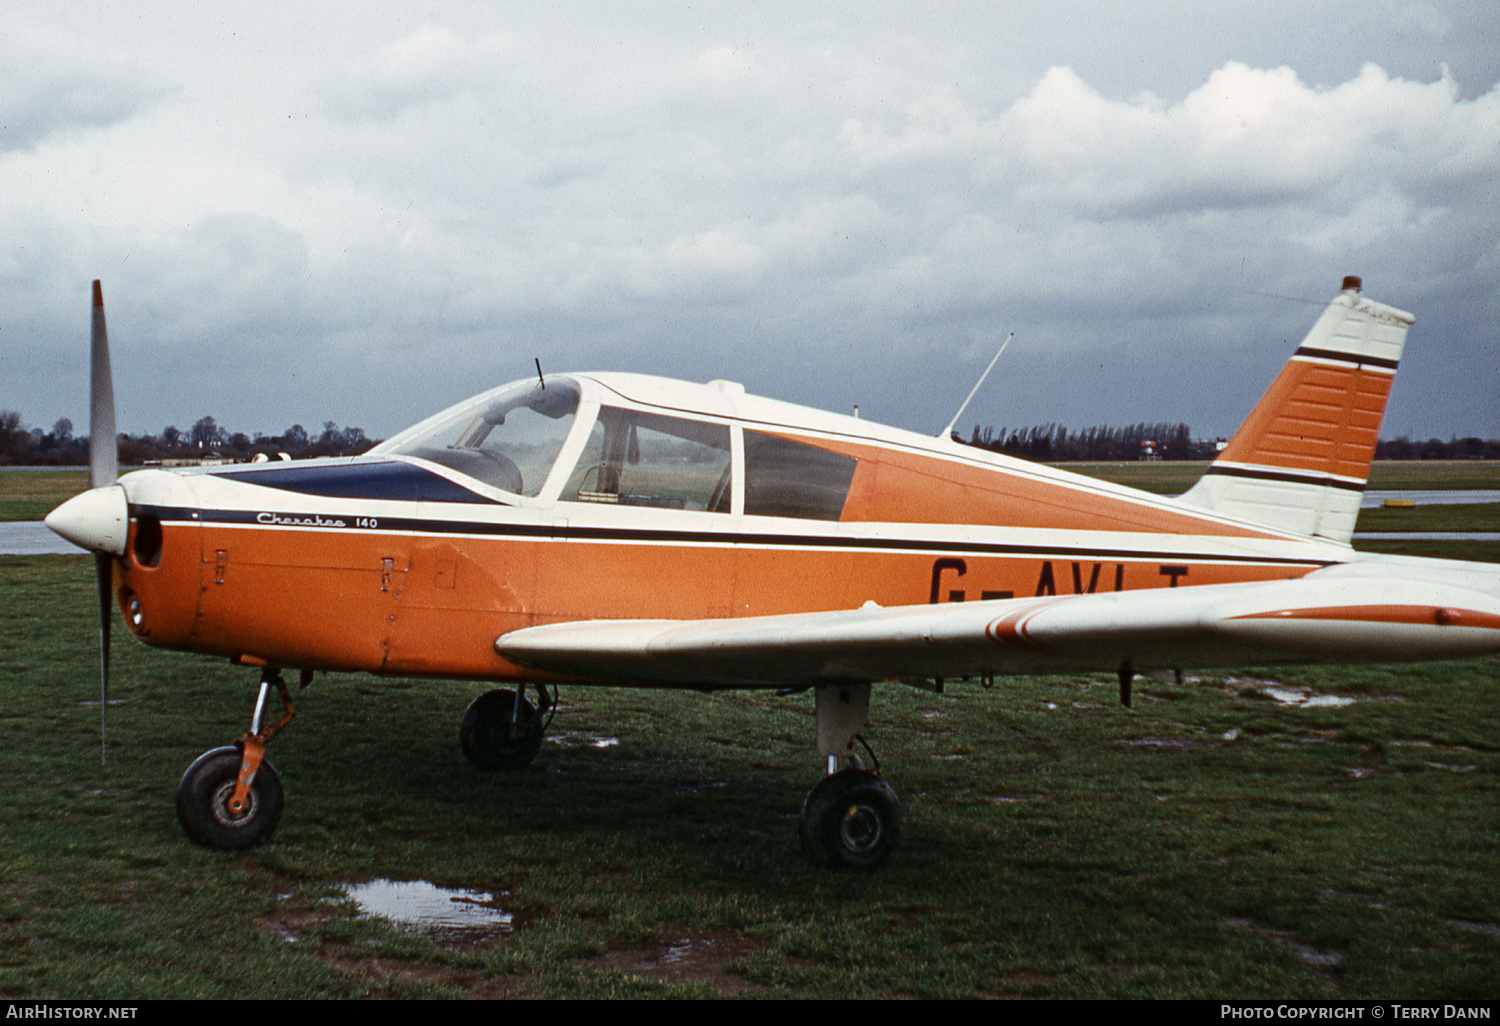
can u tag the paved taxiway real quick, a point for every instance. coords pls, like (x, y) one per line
(32, 538)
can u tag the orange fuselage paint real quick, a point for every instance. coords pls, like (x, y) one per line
(432, 603)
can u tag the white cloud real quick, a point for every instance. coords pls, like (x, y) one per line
(430, 66)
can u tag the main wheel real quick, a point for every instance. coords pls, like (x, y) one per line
(203, 801)
(491, 741)
(851, 819)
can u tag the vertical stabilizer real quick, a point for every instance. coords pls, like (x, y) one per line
(1301, 459)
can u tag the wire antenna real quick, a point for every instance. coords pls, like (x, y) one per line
(947, 431)
(1291, 299)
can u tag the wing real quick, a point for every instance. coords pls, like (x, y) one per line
(1385, 611)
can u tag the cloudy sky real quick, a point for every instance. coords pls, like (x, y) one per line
(361, 213)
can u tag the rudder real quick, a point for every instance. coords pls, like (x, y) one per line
(1301, 459)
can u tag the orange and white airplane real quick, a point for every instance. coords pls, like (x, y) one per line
(618, 529)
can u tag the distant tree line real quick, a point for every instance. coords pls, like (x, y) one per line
(1404, 448)
(1046, 443)
(1053, 443)
(23, 446)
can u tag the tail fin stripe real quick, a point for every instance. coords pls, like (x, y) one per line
(1354, 358)
(1291, 476)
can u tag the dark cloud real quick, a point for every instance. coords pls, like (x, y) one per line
(52, 84)
(381, 216)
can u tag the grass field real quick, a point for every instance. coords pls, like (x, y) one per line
(32, 494)
(1210, 842)
(1484, 516)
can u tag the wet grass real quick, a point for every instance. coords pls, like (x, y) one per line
(32, 494)
(1482, 552)
(1209, 842)
(1478, 516)
(1445, 474)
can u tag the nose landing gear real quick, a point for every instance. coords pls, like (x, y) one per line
(231, 797)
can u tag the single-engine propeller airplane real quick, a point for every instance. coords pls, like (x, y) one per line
(619, 529)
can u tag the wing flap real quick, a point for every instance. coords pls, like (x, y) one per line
(1332, 617)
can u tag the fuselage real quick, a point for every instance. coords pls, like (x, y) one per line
(613, 496)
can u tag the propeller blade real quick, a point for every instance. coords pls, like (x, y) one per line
(104, 469)
(104, 465)
(102, 573)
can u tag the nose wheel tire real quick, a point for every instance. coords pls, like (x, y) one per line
(203, 801)
(851, 819)
(494, 737)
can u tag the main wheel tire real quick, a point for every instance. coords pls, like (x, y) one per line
(851, 819)
(485, 732)
(203, 801)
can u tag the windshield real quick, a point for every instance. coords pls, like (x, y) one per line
(508, 438)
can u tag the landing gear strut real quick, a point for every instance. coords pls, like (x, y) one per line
(502, 730)
(231, 797)
(852, 819)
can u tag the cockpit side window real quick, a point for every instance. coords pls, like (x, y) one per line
(644, 459)
(509, 442)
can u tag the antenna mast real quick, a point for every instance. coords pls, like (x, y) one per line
(947, 431)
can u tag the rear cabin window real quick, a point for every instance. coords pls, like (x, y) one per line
(784, 478)
(644, 459)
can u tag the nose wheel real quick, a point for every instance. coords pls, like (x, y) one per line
(205, 794)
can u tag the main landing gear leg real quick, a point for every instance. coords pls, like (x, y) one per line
(852, 818)
(231, 796)
(502, 730)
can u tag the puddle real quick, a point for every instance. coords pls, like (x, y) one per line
(572, 738)
(700, 958)
(1435, 749)
(423, 906)
(1165, 744)
(1324, 964)
(1307, 699)
(1287, 694)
